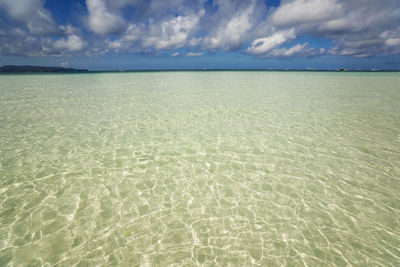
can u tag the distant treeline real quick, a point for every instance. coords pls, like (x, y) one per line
(37, 69)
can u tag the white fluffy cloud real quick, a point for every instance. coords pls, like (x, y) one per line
(393, 42)
(298, 50)
(357, 28)
(172, 33)
(233, 32)
(32, 14)
(291, 13)
(263, 45)
(194, 54)
(354, 26)
(72, 43)
(101, 20)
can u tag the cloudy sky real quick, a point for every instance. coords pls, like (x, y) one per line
(170, 34)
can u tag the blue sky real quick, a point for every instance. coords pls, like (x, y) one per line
(194, 34)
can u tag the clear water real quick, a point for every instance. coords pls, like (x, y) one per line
(200, 168)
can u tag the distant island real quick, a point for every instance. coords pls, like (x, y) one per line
(37, 69)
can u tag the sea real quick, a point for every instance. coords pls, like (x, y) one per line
(200, 168)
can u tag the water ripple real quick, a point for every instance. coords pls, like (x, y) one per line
(200, 168)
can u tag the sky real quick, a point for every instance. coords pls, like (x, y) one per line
(197, 34)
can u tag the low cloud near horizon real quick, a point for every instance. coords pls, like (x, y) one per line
(350, 27)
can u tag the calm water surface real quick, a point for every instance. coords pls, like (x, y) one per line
(200, 168)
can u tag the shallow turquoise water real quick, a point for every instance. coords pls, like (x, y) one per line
(200, 168)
